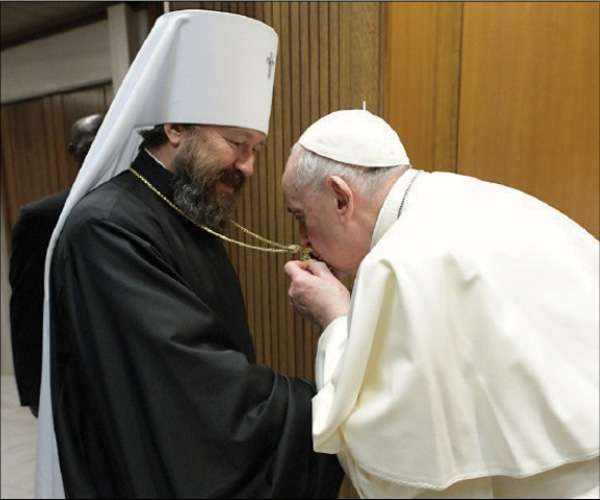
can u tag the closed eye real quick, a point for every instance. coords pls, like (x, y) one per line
(235, 143)
(296, 215)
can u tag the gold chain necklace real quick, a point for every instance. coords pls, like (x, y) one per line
(303, 252)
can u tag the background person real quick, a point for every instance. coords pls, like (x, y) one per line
(30, 237)
(465, 362)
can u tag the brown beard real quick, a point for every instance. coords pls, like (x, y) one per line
(194, 187)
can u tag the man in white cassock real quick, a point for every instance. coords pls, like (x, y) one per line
(465, 362)
(150, 384)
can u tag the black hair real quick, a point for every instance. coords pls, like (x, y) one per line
(153, 137)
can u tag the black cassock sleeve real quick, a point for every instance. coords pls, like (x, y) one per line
(155, 392)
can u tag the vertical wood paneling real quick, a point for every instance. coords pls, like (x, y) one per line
(310, 106)
(54, 119)
(408, 77)
(364, 55)
(500, 91)
(345, 55)
(283, 340)
(328, 59)
(323, 39)
(270, 15)
(422, 59)
(334, 55)
(529, 110)
(447, 86)
(299, 107)
(35, 138)
(314, 59)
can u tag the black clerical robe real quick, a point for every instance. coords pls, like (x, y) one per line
(155, 389)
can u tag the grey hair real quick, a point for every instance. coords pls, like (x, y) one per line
(314, 169)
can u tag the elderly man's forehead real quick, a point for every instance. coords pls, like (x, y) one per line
(289, 174)
(289, 189)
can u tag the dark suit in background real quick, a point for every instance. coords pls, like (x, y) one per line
(30, 238)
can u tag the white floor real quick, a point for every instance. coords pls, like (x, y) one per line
(19, 432)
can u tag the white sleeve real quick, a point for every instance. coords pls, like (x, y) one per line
(332, 345)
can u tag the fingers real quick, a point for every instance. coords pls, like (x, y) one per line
(296, 268)
(293, 268)
(317, 268)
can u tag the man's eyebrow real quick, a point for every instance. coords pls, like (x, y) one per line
(240, 131)
(247, 135)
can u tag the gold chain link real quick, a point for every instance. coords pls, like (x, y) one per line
(303, 252)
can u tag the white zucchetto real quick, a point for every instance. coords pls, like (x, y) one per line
(356, 137)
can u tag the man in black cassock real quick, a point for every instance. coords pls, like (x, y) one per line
(154, 387)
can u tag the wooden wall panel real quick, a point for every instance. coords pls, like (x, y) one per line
(506, 92)
(410, 78)
(328, 59)
(529, 111)
(35, 137)
(421, 80)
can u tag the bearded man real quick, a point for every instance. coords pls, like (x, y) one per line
(154, 387)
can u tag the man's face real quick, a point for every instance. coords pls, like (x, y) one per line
(211, 166)
(318, 224)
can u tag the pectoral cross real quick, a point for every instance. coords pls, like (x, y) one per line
(271, 63)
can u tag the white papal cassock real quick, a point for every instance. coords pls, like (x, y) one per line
(468, 363)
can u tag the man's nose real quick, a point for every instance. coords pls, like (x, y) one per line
(245, 164)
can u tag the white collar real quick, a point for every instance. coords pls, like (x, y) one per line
(388, 214)
(156, 159)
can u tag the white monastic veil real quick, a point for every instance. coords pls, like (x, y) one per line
(194, 67)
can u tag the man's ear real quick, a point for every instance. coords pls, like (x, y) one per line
(343, 196)
(174, 133)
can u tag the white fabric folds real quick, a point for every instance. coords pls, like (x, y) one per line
(471, 347)
(201, 67)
